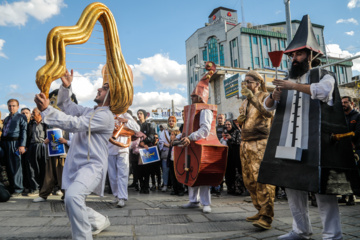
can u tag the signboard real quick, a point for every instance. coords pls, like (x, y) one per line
(231, 85)
(149, 156)
(55, 148)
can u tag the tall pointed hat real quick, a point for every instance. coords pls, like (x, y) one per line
(202, 88)
(304, 39)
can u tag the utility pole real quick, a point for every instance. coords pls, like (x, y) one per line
(288, 21)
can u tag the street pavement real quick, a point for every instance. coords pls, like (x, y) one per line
(158, 216)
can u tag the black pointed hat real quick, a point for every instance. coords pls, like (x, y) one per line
(304, 38)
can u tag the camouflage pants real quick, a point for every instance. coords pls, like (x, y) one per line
(262, 195)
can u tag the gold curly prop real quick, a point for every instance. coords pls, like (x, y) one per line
(120, 76)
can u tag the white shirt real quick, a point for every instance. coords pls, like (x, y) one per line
(77, 119)
(206, 118)
(323, 90)
(131, 124)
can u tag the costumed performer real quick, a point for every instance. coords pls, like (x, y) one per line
(255, 124)
(301, 155)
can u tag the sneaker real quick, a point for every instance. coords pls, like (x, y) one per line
(39, 199)
(191, 205)
(291, 236)
(100, 229)
(164, 188)
(33, 193)
(207, 209)
(115, 200)
(121, 203)
(253, 218)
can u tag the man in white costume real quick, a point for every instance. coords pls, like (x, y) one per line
(118, 169)
(86, 163)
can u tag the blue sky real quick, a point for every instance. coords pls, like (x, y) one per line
(152, 36)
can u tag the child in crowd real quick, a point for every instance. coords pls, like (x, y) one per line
(178, 188)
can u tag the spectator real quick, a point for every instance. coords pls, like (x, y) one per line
(232, 136)
(156, 173)
(27, 113)
(147, 141)
(13, 142)
(353, 121)
(55, 164)
(36, 135)
(220, 125)
(164, 140)
(178, 188)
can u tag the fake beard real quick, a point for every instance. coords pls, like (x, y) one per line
(299, 69)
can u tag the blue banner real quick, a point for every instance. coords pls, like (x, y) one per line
(149, 156)
(55, 148)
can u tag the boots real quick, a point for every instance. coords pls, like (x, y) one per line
(264, 222)
(253, 218)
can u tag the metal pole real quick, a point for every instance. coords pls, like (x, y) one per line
(172, 108)
(288, 21)
(340, 61)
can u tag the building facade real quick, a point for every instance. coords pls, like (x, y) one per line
(228, 43)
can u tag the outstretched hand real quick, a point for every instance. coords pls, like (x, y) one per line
(67, 78)
(41, 101)
(284, 84)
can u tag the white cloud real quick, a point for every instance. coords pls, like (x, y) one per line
(334, 50)
(17, 13)
(84, 86)
(353, 4)
(351, 33)
(40, 58)
(14, 86)
(2, 42)
(154, 100)
(168, 73)
(350, 20)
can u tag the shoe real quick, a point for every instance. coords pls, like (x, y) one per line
(351, 201)
(59, 193)
(100, 229)
(146, 191)
(263, 223)
(115, 200)
(253, 218)
(132, 185)
(39, 199)
(180, 194)
(291, 236)
(207, 209)
(153, 188)
(342, 199)
(191, 205)
(164, 189)
(121, 203)
(173, 193)
(33, 193)
(16, 194)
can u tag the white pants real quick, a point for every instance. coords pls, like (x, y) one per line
(203, 192)
(328, 209)
(82, 218)
(118, 171)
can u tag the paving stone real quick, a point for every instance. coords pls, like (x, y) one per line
(198, 218)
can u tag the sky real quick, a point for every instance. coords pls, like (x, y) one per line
(152, 36)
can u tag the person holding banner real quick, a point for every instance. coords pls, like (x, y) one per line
(86, 163)
(118, 169)
(147, 141)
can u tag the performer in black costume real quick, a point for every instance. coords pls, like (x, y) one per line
(300, 154)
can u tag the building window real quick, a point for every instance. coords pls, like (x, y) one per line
(195, 59)
(255, 40)
(205, 54)
(264, 41)
(222, 61)
(251, 53)
(285, 64)
(341, 70)
(267, 62)
(196, 78)
(190, 79)
(234, 43)
(235, 63)
(318, 39)
(282, 43)
(213, 50)
(257, 61)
